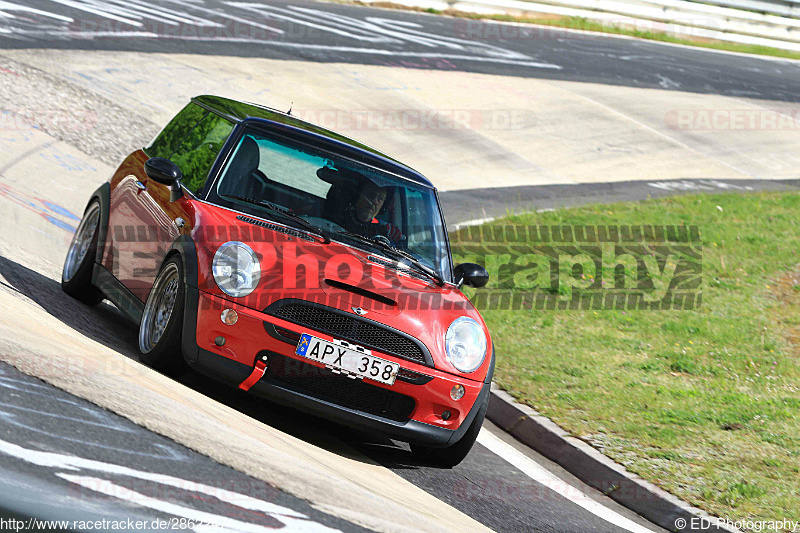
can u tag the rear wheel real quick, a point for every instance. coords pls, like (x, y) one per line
(455, 453)
(76, 276)
(162, 321)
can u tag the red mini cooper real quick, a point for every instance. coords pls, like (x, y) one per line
(292, 262)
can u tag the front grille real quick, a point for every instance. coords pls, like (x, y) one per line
(323, 384)
(359, 331)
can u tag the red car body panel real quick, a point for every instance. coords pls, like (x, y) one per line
(147, 223)
(142, 225)
(247, 338)
(296, 268)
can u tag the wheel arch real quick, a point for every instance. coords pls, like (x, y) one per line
(103, 196)
(483, 397)
(184, 247)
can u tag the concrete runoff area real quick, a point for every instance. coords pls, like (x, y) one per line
(520, 131)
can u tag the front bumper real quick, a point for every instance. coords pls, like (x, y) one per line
(419, 423)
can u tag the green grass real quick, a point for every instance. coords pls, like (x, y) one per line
(584, 24)
(703, 403)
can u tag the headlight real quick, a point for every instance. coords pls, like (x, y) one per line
(465, 343)
(236, 269)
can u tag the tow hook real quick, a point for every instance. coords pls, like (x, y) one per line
(258, 372)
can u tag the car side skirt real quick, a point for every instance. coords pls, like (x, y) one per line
(117, 293)
(104, 280)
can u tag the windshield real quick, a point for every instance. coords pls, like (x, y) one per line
(344, 198)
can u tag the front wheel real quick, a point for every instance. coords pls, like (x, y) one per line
(76, 277)
(455, 453)
(162, 321)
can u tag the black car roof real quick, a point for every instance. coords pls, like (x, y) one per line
(242, 111)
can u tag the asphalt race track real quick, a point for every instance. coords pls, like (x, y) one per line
(39, 423)
(40, 418)
(340, 33)
(65, 458)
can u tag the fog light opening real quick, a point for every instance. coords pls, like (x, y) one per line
(446, 415)
(229, 317)
(220, 341)
(457, 392)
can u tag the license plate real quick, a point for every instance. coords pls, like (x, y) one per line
(355, 361)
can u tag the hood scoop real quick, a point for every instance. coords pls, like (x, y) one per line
(359, 291)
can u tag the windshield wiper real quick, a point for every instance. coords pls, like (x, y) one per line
(326, 238)
(402, 254)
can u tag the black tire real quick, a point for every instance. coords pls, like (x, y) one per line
(160, 335)
(453, 454)
(76, 276)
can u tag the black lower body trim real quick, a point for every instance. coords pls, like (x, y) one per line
(191, 307)
(324, 384)
(117, 293)
(232, 372)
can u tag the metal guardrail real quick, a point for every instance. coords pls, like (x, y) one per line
(693, 17)
(752, 22)
(698, 19)
(783, 8)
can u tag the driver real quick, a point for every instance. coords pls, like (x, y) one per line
(359, 216)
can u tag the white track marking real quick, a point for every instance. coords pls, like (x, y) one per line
(222, 14)
(178, 16)
(369, 30)
(98, 10)
(552, 482)
(104, 486)
(452, 42)
(294, 520)
(211, 522)
(14, 7)
(375, 29)
(283, 44)
(358, 33)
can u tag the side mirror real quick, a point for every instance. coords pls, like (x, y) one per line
(167, 173)
(471, 274)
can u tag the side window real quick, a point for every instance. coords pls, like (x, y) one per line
(170, 137)
(199, 148)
